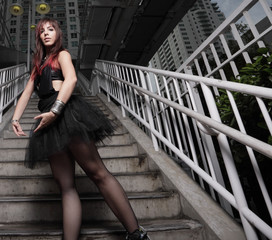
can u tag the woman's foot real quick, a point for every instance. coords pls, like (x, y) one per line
(139, 234)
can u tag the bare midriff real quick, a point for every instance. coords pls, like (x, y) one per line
(56, 84)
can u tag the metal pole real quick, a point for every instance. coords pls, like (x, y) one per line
(28, 38)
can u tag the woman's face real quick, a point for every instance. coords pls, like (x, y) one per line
(48, 34)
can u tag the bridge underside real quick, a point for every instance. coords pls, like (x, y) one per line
(127, 31)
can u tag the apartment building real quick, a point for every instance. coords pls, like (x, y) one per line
(67, 12)
(201, 20)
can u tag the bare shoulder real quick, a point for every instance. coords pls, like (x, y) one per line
(64, 56)
(66, 64)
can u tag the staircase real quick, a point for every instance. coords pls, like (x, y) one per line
(31, 205)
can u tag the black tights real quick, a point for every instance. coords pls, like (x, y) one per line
(88, 158)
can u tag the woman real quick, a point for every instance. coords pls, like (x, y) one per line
(66, 131)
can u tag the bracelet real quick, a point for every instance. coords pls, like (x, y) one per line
(57, 107)
(14, 120)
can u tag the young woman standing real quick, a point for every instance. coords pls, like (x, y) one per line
(66, 131)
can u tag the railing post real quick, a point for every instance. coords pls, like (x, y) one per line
(149, 112)
(230, 165)
(120, 92)
(16, 87)
(208, 142)
(2, 96)
(107, 84)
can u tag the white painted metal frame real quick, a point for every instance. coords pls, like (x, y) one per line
(243, 11)
(12, 83)
(175, 126)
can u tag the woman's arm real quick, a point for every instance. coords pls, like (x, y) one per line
(66, 90)
(69, 74)
(20, 107)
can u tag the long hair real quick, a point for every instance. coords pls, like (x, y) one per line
(40, 48)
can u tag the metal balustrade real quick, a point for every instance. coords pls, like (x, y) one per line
(12, 83)
(168, 114)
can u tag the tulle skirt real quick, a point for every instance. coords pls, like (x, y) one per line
(79, 120)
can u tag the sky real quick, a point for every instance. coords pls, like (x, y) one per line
(228, 6)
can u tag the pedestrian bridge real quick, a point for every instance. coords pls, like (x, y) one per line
(216, 129)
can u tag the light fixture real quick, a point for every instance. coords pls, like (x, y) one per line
(16, 9)
(43, 8)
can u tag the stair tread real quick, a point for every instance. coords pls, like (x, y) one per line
(89, 196)
(46, 176)
(95, 228)
(98, 146)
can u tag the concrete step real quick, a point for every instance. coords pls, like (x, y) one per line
(17, 142)
(161, 229)
(16, 154)
(114, 165)
(48, 208)
(45, 185)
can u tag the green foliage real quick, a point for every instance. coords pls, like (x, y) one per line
(258, 73)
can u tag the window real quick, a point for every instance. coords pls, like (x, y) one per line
(73, 27)
(60, 15)
(12, 30)
(60, 7)
(71, 4)
(74, 44)
(13, 22)
(72, 19)
(72, 11)
(73, 35)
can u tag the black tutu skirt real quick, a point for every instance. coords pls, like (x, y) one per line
(79, 119)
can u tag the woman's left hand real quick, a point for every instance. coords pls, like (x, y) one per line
(46, 119)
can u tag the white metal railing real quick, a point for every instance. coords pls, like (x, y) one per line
(223, 63)
(226, 36)
(12, 83)
(201, 141)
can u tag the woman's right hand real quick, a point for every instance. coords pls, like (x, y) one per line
(17, 129)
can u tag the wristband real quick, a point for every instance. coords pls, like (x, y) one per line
(14, 120)
(57, 107)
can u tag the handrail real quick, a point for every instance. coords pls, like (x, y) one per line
(14, 79)
(256, 91)
(12, 82)
(163, 115)
(12, 67)
(252, 142)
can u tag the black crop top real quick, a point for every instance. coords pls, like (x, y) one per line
(43, 83)
(56, 75)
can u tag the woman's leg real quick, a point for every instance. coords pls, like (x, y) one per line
(63, 169)
(89, 159)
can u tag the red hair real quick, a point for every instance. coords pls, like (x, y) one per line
(41, 51)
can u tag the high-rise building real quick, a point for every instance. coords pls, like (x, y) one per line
(5, 39)
(201, 20)
(67, 12)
